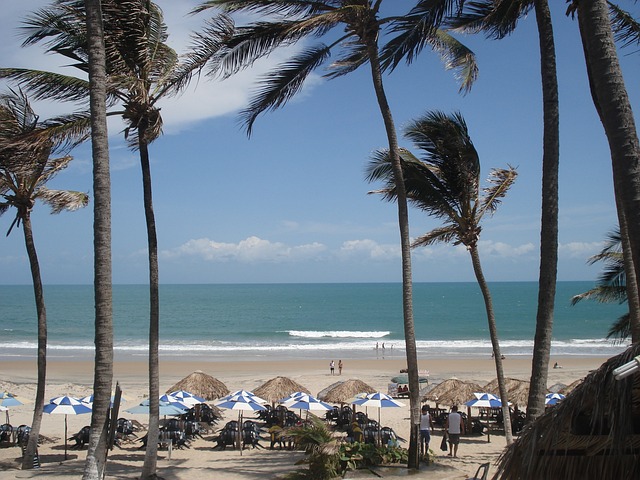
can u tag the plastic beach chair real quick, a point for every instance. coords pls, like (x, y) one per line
(482, 472)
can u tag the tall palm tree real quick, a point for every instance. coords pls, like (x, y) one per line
(360, 25)
(497, 19)
(26, 146)
(103, 367)
(611, 286)
(141, 70)
(445, 183)
(611, 101)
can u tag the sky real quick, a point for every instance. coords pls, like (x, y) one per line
(290, 203)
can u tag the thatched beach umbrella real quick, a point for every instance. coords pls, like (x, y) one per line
(591, 432)
(452, 392)
(277, 388)
(517, 390)
(569, 388)
(201, 384)
(345, 391)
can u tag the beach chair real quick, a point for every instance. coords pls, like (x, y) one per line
(481, 473)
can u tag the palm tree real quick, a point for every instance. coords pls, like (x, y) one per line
(141, 70)
(611, 286)
(360, 23)
(103, 368)
(610, 98)
(499, 18)
(26, 146)
(445, 183)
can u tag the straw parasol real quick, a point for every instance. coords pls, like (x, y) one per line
(277, 388)
(201, 384)
(452, 392)
(569, 388)
(517, 390)
(345, 391)
(592, 430)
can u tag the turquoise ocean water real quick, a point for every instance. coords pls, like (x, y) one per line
(305, 320)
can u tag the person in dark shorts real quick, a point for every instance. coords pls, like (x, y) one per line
(455, 427)
(426, 425)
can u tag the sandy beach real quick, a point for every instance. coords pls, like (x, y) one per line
(201, 461)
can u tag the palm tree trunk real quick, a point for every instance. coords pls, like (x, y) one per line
(493, 332)
(549, 224)
(103, 369)
(633, 296)
(151, 454)
(32, 445)
(407, 287)
(614, 109)
(95, 465)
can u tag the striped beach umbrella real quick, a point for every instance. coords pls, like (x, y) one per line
(551, 399)
(66, 405)
(187, 399)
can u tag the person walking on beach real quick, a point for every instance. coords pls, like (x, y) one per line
(332, 367)
(426, 425)
(454, 427)
(339, 367)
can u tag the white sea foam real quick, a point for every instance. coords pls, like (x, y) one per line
(336, 334)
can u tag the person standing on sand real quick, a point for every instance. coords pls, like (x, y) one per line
(454, 427)
(332, 367)
(426, 425)
(339, 367)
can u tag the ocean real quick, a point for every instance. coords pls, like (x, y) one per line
(250, 321)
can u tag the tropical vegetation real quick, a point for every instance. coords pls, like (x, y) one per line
(445, 183)
(26, 166)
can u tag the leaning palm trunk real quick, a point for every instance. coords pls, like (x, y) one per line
(32, 445)
(549, 219)
(403, 222)
(614, 109)
(150, 458)
(493, 332)
(103, 369)
(631, 282)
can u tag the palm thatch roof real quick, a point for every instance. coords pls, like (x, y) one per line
(593, 433)
(569, 388)
(277, 388)
(517, 390)
(452, 392)
(201, 384)
(344, 391)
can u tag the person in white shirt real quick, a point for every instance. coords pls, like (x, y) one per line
(455, 427)
(426, 425)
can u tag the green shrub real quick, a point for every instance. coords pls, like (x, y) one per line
(362, 455)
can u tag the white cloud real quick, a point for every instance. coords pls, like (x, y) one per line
(251, 250)
(369, 249)
(505, 250)
(579, 249)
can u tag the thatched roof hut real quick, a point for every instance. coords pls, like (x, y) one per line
(201, 384)
(452, 392)
(277, 388)
(344, 391)
(517, 390)
(569, 388)
(593, 433)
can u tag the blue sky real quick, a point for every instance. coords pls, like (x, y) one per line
(290, 204)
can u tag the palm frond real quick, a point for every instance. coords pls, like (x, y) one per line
(445, 234)
(620, 330)
(457, 57)
(602, 294)
(62, 200)
(277, 88)
(43, 85)
(282, 8)
(626, 29)
(501, 180)
(206, 50)
(355, 57)
(495, 18)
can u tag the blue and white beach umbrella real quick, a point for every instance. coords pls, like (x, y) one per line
(89, 400)
(377, 400)
(186, 398)
(8, 400)
(243, 394)
(553, 398)
(66, 405)
(484, 400)
(166, 409)
(291, 398)
(309, 403)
